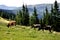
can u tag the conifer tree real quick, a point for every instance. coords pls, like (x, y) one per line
(56, 8)
(26, 16)
(47, 14)
(36, 20)
(56, 16)
(17, 19)
(51, 15)
(44, 18)
(23, 14)
(31, 20)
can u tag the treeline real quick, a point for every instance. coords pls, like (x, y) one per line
(6, 15)
(49, 18)
(23, 17)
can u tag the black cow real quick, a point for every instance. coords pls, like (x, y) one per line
(46, 27)
(36, 25)
(43, 27)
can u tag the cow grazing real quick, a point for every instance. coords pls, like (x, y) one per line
(43, 27)
(11, 23)
(46, 27)
(35, 25)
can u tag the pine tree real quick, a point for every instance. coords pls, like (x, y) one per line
(31, 20)
(36, 20)
(51, 15)
(47, 14)
(22, 17)
(34, 17)
(26, 16)
(56, 16)
(19, 17)
(23, 14)
(44, 18)
(56, 8)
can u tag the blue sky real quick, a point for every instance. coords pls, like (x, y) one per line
(18, 3)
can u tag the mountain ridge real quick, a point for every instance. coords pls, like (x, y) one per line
(40, 8)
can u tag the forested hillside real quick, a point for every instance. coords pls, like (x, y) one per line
(23, 16)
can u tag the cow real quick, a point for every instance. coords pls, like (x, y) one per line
(11, 23)
(35, 25)
(46, 27)
(42, 27)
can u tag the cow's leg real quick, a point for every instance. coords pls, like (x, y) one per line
(42, 29)
(15, 24)
(39, 28)
(50, 30)
(34, 28)
(8, 26)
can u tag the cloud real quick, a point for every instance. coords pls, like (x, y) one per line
(18, 3)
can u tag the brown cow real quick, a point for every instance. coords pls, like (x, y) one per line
(11, 23)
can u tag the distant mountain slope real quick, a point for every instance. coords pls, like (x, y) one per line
(8, 9)
(40, 9)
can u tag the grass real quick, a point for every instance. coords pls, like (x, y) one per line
(25, 33)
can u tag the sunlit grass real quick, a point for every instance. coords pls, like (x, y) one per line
(25, 33)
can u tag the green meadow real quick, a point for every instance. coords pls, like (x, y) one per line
(25, 33)
(19, 32)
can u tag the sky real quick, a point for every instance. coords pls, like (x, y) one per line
(18, 3)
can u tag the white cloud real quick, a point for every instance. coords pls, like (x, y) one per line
(11, 2)
(18, 3)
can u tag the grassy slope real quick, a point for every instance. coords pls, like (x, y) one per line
(3, 20)
(25, 33)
